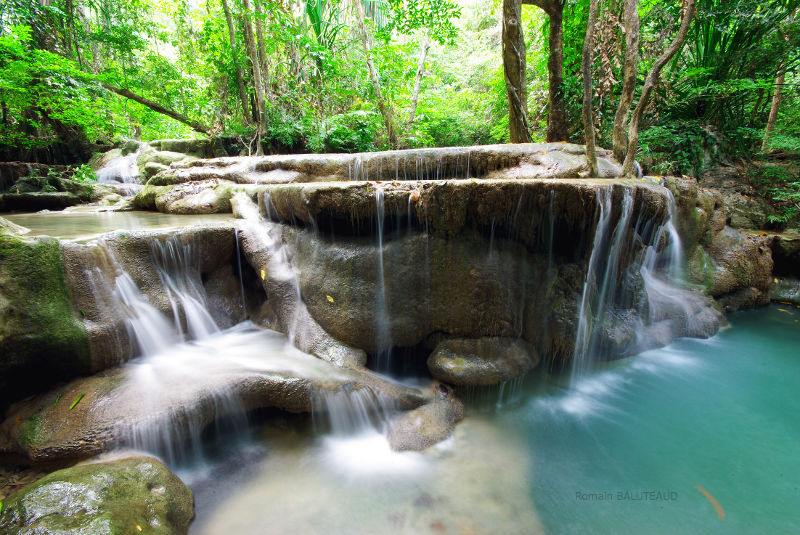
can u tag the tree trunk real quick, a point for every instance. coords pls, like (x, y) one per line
(650, 82)
(262, 48)
(259, 87)
(777, 96)
(423, 55)
(588, 115)
(629, 72)
(386, 112)
(239, 79)
(158, 108)
(514, 71)
(557, 117)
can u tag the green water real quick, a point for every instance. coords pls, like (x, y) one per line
(621, 451)
(624, 451)
(83, 224)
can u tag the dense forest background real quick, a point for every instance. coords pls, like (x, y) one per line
(350, 75)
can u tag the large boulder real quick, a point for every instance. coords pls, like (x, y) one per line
(128, 495)
(42, 339)
(481, 361)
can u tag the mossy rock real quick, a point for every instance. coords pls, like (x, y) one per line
(41, 338)
(126, 496)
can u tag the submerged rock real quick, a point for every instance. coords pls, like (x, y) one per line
(423, 427)
(129, 495)
(481, 361)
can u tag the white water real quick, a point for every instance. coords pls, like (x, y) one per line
(122, 173)
(177, 268)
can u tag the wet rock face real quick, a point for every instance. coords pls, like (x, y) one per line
(42, 339)
(517, 161)
(786, 254)
(463, 258)
(129, 495)
(733, 267)
(482, 361)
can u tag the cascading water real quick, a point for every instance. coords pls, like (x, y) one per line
(122, 173)
(346, 412)
(382, 327)
(179, 276)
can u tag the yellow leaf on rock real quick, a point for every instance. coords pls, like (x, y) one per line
(330, 299)
(263, 275)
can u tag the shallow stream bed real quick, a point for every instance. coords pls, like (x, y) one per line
(698, 437)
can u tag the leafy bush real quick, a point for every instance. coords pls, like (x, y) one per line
(354, 131)
(677, 148)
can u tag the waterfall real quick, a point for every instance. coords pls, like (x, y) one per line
(593, 272)
(382, 328)
(122, 173)
(176, 264)
(147, 325)
(346, 412)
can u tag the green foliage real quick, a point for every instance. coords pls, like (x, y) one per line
(355, 131)
(84, 173)
(434, 16)
(676, 148)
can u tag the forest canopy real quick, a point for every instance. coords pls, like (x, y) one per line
(350, 75)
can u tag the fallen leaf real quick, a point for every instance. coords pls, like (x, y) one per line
(330, 299)
(263, 275)
(717, 507)
(138, 527)
(77, 400)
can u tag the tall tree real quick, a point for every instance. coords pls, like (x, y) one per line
(689, 7)
(238, 70)
(588, 114)
(514, 70)
(386, 111)
(630, 69)
(557, 117)
(256, 65)
(423, 54)
(777, 96)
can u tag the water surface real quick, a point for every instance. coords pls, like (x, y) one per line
(84, 224)
(626, 450)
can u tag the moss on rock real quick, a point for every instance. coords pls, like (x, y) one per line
(41, 339)
(126, 496)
